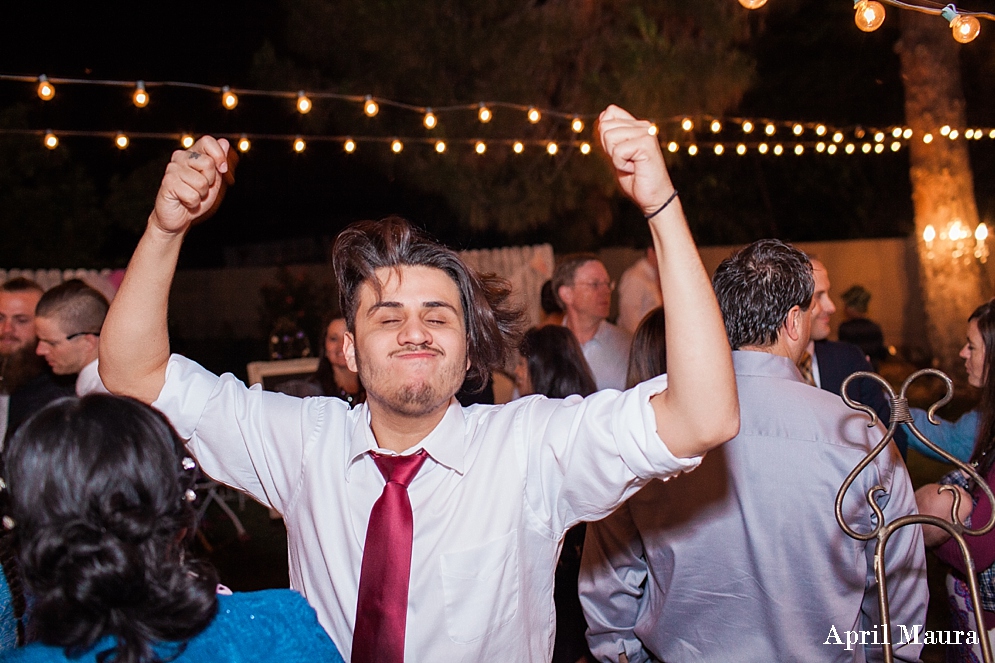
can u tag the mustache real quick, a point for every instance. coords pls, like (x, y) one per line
(420, 347)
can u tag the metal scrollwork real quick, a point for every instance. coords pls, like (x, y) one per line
(900, 414)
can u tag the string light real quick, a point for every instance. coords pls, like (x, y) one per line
(896, 132)
(770, 129)
(879, 148)
(518, 147)
(969, 134)
(51, 141)
(692, 150)
(349, 146)
(928, 138)
(850, 148)
(299, 145)
(370, 107)
(121, 141)
(228, 98)
(534, 115)
(799, 149)
(687, 124)
(965, 28)
(907, 134)
(303, 103)
(945, 130)
(953, 134)
(480, 147)
(866, 148)
(585, 148)
(762, 148)
(798, 129)
(719, 149)
(396, 146)
(140, 98)
(869, 15)
(741, 149)
(716, 126)
(929, 233)
(879, 137)
(186, 140)
(243, 144)
(45, 89)
(820, 147)
(440, 146)
(673, 146)
(838, 137)
(753, 4)
(747, 127)
(430, 120)
(552, 148)
(778, 150)
(577, 125)
(654, 130)
(896, 146)
(820, 130)
(831, 149)
(484, 114)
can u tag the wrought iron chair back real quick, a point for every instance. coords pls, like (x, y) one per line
(900, 414)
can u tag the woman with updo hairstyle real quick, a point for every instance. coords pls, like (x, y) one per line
(100, 502)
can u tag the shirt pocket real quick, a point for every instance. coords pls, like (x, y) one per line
(480, 586)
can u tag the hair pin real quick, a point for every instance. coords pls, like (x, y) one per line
(3, 484)
(188, 463)
(8, 522)
(190, 495)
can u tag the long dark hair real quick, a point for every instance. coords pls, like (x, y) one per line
(984, 445)
(493, 322)
(648, 355)
(557, 367)
(98, 496)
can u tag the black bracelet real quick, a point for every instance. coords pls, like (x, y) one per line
(663, 206)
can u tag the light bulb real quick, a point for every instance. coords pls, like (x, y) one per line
(896, 132)
(991, 134)
(672, 146)
(770, 130)
(303, 103)
(45, 89)
(798, 129)
(831, 149)
(799, 149)
(741, 149)
(51, 141)
(850, 148)
(747, 127)
(753, 4)
(687, 124)
(396, 146)
(370, 107)
(349, 146)
(866, 148)
(896, 146)
(692, 150)
(299, 145)
(440, 146)
(907, 134)
(929, 233)
(719, 149)
(953, 134)
(518, 147)
(140, 98)
(653, 130)
(981, 232)
(480, 147)
(186, 140)
(820, 147)
(534, 115)
(228, 98)
(869, 15)
(762, 148)
(552, 148)
(838, 137)
(577, 125)
(928, 138)
(244, 144)
(430, 120)
(778, 150)
(969, 134)
(121, 141)
(716, 126)
(879, 137)
(965, 28)
(484, 114)
(585, 148)
(879, 148)
(945, 130)
(820, 130)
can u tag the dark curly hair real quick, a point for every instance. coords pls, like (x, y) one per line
(493, 323)
(98, 497)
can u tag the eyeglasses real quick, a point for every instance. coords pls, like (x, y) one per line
(72, 336)
(68, 338)
(597, 285)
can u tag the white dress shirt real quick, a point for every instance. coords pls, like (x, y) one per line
(607, 353)
(88, 381)
(491, 504)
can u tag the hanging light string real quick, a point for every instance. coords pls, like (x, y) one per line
(693, 133)
(870, 14)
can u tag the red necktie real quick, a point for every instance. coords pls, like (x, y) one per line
(383, 582)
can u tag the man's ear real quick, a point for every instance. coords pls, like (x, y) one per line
(793, 323)
(92, 345)
(565, 293)
(349, 350)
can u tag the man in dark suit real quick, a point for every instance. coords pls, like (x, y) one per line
(828, 363)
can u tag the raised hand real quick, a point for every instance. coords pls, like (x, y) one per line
(636, 157)
(194, 185)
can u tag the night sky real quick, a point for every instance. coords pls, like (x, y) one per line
(806, 71)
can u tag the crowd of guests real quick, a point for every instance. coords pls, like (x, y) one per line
(660, 490)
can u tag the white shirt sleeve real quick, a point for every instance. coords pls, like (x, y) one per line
(585, 456)
(253, 440)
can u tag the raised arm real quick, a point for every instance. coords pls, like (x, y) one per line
(700, 408)
(134, 344)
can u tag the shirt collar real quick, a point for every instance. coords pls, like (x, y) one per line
(444, 444)
(753, 362)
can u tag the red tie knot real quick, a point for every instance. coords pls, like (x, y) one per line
(400, 469)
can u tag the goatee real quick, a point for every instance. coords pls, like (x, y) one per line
(17, 368)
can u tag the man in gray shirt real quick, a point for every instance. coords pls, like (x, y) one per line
(743, 559)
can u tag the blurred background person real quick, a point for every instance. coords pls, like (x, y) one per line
(859, 329)
(551, 364)
(100, 502)
(68, 319)
(552, 313)
(333, 376)
(648, 356)
(639, 290)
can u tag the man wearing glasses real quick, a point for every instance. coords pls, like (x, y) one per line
(68, 319)
(584, 291)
